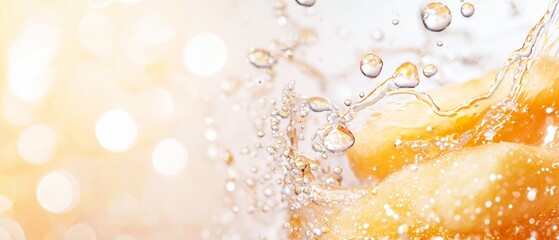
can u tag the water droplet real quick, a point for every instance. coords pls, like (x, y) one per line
(268, 192)
(395, 21)
(361, 94)
(549, 110)
(319, 104)
(430, 70)
(339, 139)
(371, 65)
(308, 36)
(406, 76)
(282, 20)
(347, 102)
(489, 134)
(306, 3)
(261, 58)
(278, 5)
(467, 9)
(377, 35)
(439, 44)
(398, 143)
(230, 186)
(436, 16)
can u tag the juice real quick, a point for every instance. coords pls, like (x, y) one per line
(472, 160)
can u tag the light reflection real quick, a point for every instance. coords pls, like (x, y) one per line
(550, 134)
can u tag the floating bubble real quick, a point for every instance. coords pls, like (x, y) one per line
(430, 70)
(371, 65)
(406, 76)
(260, 58)
(436, 16)
(306, 3)
(467, 9)
(339, 139)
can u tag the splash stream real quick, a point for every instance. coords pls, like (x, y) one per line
(290, 193)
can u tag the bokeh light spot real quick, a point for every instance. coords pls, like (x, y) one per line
(12, 229)
(116, 130)
(95, 33)
(58, 192)
(205, 54)
(80, 232)
(37, 144)
(169, 157)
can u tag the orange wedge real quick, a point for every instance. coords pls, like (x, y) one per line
(374, 154)
(492, 190)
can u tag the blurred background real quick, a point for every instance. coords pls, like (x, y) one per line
(113, 112)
